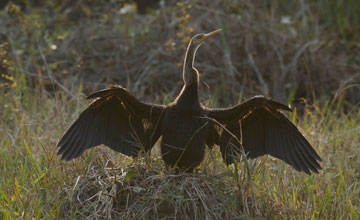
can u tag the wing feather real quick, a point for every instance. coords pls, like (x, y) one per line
(268, 131)
(69, 137)
(110, 120)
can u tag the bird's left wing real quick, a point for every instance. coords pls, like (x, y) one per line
(268, 131)
(231, 114)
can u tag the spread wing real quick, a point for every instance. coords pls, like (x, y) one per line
(268, 131)
(113, 119)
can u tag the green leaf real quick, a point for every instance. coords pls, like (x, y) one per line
(138, 189)
(129, 174)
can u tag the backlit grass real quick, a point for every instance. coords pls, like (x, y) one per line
(34, 183)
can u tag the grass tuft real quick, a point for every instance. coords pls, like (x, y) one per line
(135, 192)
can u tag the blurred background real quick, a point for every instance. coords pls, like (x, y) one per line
(303, 50)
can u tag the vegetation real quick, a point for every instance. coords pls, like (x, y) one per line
(51, 56)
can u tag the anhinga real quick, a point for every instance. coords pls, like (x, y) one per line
(119, 120)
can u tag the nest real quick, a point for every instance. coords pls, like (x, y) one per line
(135, 192)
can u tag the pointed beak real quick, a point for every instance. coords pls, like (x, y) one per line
(208, 35)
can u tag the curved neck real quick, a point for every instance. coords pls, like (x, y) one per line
(190, 74)
(188, 98)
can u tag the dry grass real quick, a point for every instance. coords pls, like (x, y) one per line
(136, 192)
(35, 183)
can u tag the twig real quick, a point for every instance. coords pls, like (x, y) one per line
(51, 76)
(258, 74)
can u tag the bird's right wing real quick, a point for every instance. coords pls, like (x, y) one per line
(114, 119)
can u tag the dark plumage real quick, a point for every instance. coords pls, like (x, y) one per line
(125, 124)
(269, 132)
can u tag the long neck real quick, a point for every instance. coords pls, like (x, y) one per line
(190, 74)
(189, 95)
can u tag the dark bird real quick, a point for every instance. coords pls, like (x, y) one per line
(119, 120)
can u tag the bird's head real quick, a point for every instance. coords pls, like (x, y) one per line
(199, 39)
(194, 44)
